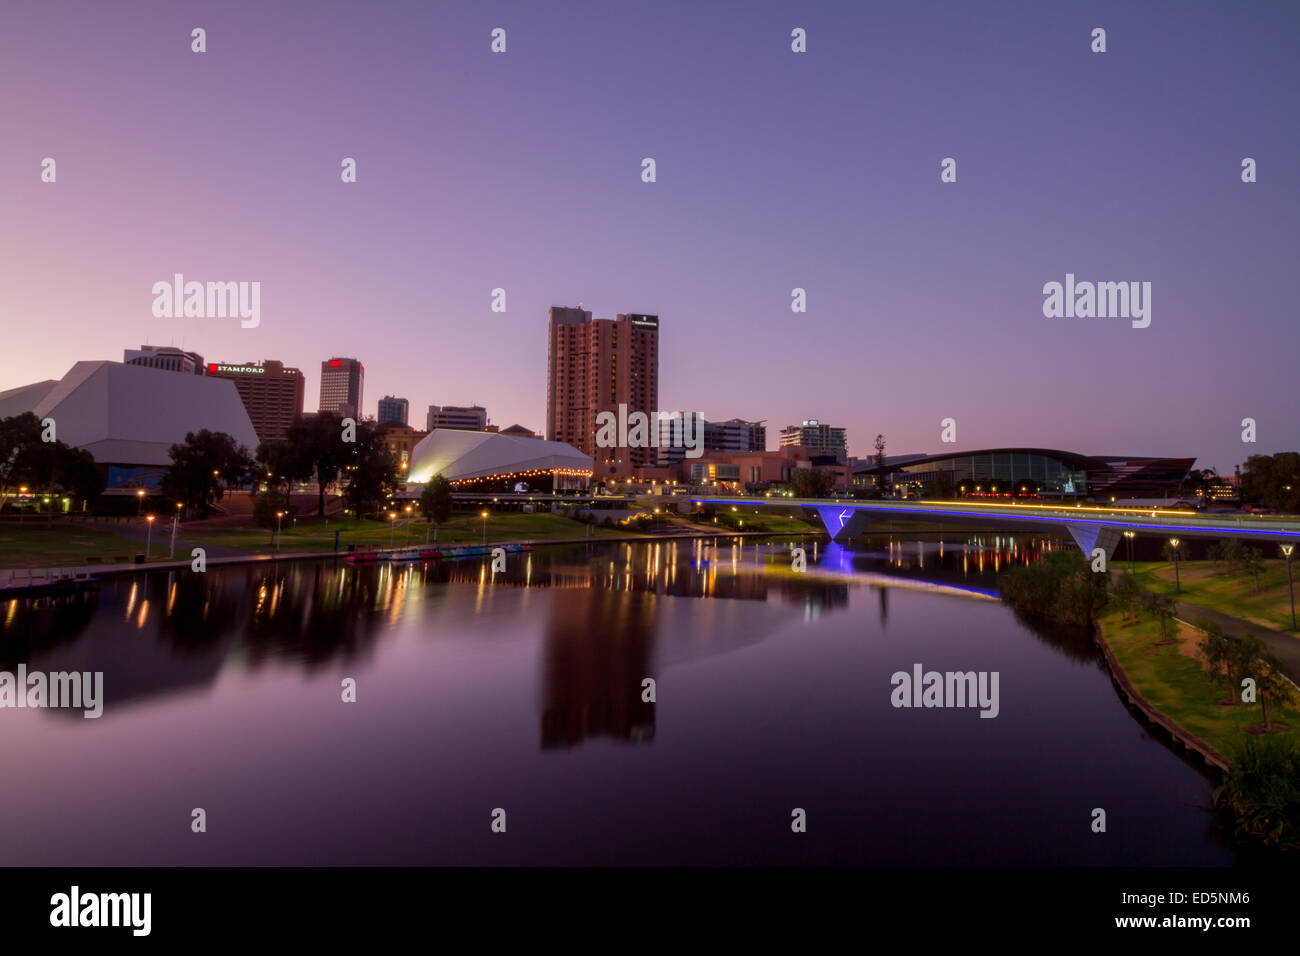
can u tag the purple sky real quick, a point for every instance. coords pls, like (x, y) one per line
(775, 170)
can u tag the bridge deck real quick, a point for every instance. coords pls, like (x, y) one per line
(1188, 523)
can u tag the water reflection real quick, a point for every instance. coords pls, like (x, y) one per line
(159, 633)
(525, 687)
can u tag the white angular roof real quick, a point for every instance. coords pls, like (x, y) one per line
(457, 455)
(131, 414)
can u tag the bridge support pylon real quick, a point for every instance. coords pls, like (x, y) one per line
(1089, 537)
(844, 524)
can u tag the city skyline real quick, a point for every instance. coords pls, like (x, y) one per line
(775, 171)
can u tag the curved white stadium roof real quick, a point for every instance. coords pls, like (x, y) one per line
(458, 455)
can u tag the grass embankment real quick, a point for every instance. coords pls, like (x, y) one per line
(1227, 590)
(315, 535)
(1173, 679)
(32, 545)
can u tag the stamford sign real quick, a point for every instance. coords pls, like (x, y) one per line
(242, 369)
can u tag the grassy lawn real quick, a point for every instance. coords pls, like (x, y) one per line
(32, 545)
(1220, 590)
(313, 534)
(1178, 686)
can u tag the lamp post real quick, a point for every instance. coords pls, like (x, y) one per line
(485, 516)
(1178, 587)
(139, 501)
(148, 541)
(1130, 535)
(408, 526)
(392, 518)
(171, 552)
(278, 516)
(1287, 549)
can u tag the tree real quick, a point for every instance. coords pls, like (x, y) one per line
(1163, 608)
(435, 501)
(26, 459)
(811, 482)
(1214, 551)
(1128, 593)
(20, 452)
(1271, 686)
(880, 459)
(201, 465)
(370, 470)
(1252, 563)
(1243, 653)
(283, 464)
(1272, 481)
(317, 448)
(1219, 650)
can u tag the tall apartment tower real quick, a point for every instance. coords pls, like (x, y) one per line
(393, 410)
(596, 365)
(272, 394)
(341, 380)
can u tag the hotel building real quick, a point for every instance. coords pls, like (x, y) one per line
(272, 394)
(596, 365)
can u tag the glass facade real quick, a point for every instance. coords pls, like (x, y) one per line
(1008, 469)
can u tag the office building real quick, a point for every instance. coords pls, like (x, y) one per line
(821, 438)
(598, 365)
(341, 381)
(400, 441)
(165, 357)
(470, 418)
(271, 392)
(393, 411)
(735, 434)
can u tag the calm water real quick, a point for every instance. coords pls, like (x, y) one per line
(522, 691)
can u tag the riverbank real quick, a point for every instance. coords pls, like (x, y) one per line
(25, 576)
(1168, 682)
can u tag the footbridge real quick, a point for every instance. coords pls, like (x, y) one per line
(1091, 526)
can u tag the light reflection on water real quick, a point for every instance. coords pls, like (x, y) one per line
(524, 689)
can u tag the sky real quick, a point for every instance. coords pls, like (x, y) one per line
(775, 170)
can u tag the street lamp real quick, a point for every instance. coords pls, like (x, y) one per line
(171, 553)
(408, 525)
(1130, 535)
(139, 501)
(148, 538)
(1290, 585)
(392, 526)
(484, 516)
(278, 516)
(1178, 588)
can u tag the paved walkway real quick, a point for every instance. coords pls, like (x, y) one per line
(1285, 646)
